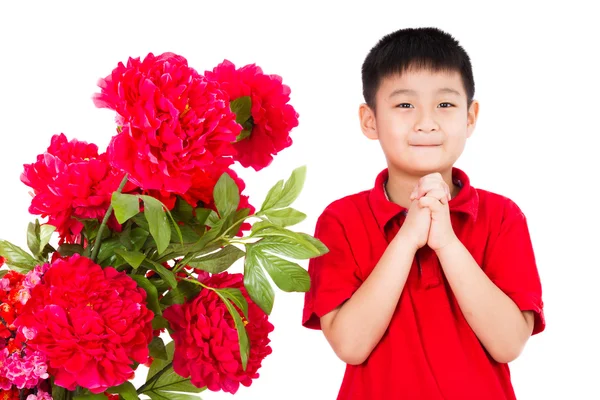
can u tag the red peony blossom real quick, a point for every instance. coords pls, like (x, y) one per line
(173, 121)
(272, 117)
(71, 181)
(91, 323)
(203, 185)
(206, 341)
(10, 394)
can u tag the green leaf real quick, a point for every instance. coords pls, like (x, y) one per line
(214, 232)
(202, 214)
(3, 272)
(256, 283)
(183, 210)
(133, 258)
(190, 234)
(287, 247)
(272, 196)
(158, 364)
(17, 258)
(288, 243)
(241, 107)
(260, 225)
(292, 188)
(91, 228)
(226, 195)
(126, 391)
(107, 250)
(159, 322)
(164, 273)
(159, 283)
(285, 216)
(157, 349)
(316, 243)
(140, 221)
(287, 275)
(157, 221)
(125, 206)
(218, 262)
(235, 295)
(68, 249)
(59, 393)
(152, 293)
(243, 135)
(241, 329)
(33, 237)
(212, 219)
(163, 395)
(46, 232)
(85, 396)
(240, 216)
(168, 380)
(184, 291)
(134, 239)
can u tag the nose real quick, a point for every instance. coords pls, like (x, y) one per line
(425, 123)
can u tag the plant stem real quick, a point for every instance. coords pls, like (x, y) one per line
(197, 282)
(154, 378)
(228, 229)
(98, 240)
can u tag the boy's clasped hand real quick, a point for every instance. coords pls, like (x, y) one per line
(428, 219)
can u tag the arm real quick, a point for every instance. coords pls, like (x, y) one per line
(354, 328)
(499, 324)
(496, 300)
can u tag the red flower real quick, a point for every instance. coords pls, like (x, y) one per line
(10, 394)
(1, 261)
(203, 185)
(71, 181)
(206, 341)
(91, 323)
(271, 117)
(174, 122)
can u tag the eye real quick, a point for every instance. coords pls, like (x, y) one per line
(401, 105)
(449, 105)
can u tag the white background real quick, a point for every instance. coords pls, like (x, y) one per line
(536, 141)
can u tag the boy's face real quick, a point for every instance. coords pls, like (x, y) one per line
(421, 120)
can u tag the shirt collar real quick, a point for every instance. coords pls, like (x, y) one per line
(465, 202)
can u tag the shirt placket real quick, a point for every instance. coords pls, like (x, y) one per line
(429, 268)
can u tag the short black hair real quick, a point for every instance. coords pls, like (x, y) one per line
(421, 48)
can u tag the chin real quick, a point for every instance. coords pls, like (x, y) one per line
(421, 167)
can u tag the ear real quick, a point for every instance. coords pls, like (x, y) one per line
(472, 117)
(367, 122)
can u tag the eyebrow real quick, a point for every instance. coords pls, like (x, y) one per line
(409, 91)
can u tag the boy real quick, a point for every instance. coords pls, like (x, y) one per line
(430, 286)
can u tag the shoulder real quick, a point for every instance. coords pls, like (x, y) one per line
(346, 209)
(348, 206)
(497, 206)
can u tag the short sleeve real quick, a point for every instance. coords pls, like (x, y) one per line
(333, 275)
(510, 263)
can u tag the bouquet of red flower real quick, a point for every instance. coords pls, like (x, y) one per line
(145, 233)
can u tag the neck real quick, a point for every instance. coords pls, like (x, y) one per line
(400, 185)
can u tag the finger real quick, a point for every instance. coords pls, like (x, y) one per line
(436, 176)
(438, 194)
(432, 203)
(427, 187)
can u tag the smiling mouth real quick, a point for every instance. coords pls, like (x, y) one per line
(425, 145)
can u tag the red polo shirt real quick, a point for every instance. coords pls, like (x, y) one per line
(429, 351)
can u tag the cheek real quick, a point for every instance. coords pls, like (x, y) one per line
(390, 127)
